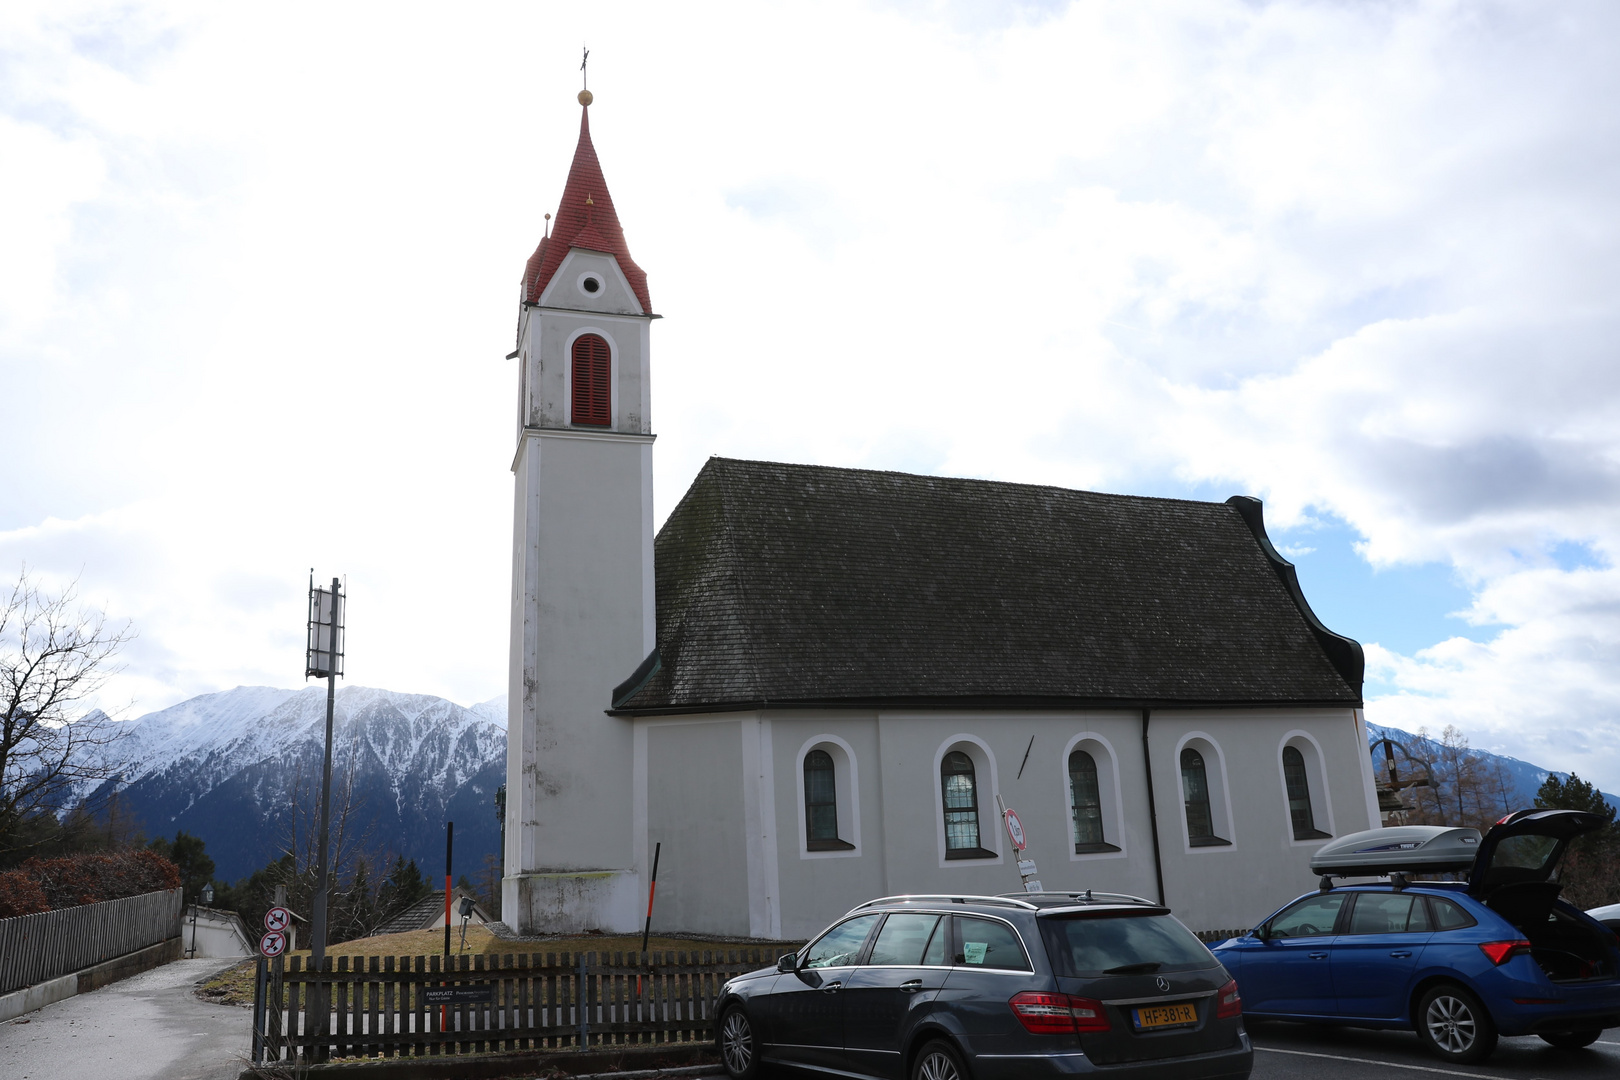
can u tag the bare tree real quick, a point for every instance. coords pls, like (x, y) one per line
(55, 655)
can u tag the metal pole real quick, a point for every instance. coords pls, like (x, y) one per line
(317, 944)
(449, 848)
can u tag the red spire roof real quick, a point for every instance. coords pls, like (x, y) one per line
(585, 219)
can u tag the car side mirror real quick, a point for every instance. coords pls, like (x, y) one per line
(1262, 932)
(787, 962)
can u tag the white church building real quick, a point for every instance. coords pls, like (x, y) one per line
(816, 685)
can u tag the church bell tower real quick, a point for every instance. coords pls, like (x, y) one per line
(582, 566)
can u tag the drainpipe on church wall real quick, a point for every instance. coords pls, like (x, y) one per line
(1153, 811)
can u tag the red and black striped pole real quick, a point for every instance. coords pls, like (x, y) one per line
(652, 887)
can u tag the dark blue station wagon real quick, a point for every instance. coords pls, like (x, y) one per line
(948, 987)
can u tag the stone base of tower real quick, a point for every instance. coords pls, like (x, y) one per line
(573, 901)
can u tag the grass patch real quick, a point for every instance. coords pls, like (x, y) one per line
(233, 986)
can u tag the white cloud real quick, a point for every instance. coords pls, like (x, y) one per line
(1359, 259)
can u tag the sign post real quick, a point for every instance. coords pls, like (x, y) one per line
(323, 658)
(1020, 843)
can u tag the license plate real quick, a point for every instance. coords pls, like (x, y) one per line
(1158, 1016)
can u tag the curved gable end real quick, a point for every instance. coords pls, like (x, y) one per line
(784, 585)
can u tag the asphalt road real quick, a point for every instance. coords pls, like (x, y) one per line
(1286, 1051)
(146, 1026)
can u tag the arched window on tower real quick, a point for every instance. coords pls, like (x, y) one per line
(820, 799)
(591, 377)
(961, 793)
(1299, 796)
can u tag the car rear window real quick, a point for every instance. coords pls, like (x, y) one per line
(1091, 945)
(1449, 916)
(1389, 913)
(988, 943)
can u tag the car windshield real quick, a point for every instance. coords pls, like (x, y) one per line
(1093, 944)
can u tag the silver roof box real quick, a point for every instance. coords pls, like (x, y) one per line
(1409, 849)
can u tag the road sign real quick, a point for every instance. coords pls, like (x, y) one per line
(1034, 887)
(1026, 867)
(273, 944)
(1015, 829)
(277, 919)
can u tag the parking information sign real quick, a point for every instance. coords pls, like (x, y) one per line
(277, 919)
(1015, 830)
(273, 944)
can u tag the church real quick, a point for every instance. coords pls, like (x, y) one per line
(816, 686)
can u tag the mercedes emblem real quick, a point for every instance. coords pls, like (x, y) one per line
(1162, 983)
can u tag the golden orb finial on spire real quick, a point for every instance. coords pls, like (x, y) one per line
(584, 97)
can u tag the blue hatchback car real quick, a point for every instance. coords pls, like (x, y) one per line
(1460, 962)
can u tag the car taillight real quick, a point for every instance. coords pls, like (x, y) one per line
(1228, 1002)
(1058, 1014)
(1500, 952)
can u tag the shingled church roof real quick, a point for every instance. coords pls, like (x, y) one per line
(794, 585)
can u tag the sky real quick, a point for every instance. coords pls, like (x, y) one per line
(259, 269)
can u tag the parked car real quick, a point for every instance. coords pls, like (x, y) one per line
(1609, 916)
(1461, 962)
(1026, 986)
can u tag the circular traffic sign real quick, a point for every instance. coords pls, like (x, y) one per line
(277, 919)
(1015, 830)
(273, 944)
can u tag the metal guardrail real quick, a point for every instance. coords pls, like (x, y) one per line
(49, 944)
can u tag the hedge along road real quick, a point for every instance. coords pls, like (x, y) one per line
(1286, 1051)
(150, 1025)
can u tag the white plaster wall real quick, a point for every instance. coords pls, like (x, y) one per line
(582, 614)
(695, 808)
(1229, 888)
(897, 755)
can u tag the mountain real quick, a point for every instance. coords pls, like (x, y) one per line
(229, 767)
(1523, 778)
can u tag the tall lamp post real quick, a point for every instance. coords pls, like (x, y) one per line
(324, 659)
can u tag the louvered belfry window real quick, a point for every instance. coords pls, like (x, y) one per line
(592, 380)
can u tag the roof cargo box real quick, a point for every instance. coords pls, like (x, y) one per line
(1408, 849)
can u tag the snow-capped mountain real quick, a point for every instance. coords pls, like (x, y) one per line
(228, 767)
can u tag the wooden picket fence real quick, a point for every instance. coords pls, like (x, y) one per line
(417, 1006)
(48, 944)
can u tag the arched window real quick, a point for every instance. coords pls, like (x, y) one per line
(1195, 790)
(961, 792)
(1299, 796)
(1086, 800)
(820, 798)
(592, 377)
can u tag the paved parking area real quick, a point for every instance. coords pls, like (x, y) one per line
(1287, 1051)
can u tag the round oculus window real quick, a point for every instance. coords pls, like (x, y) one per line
(590, 283)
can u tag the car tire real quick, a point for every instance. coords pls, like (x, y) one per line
(1454, 1025)
(938, 1060)
(739, 1046)
(1571, 1040)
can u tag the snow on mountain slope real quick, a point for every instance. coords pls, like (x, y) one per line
(229, 766)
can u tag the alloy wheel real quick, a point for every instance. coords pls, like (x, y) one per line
(737, 1043)
(937, 1065)
(1451, 1024)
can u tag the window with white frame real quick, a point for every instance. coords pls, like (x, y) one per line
(1203, 792)
(831, 819)
(1086, 805)
(1305, 789)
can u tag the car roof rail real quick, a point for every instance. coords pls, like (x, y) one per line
(950, 898)
(1093, 896)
